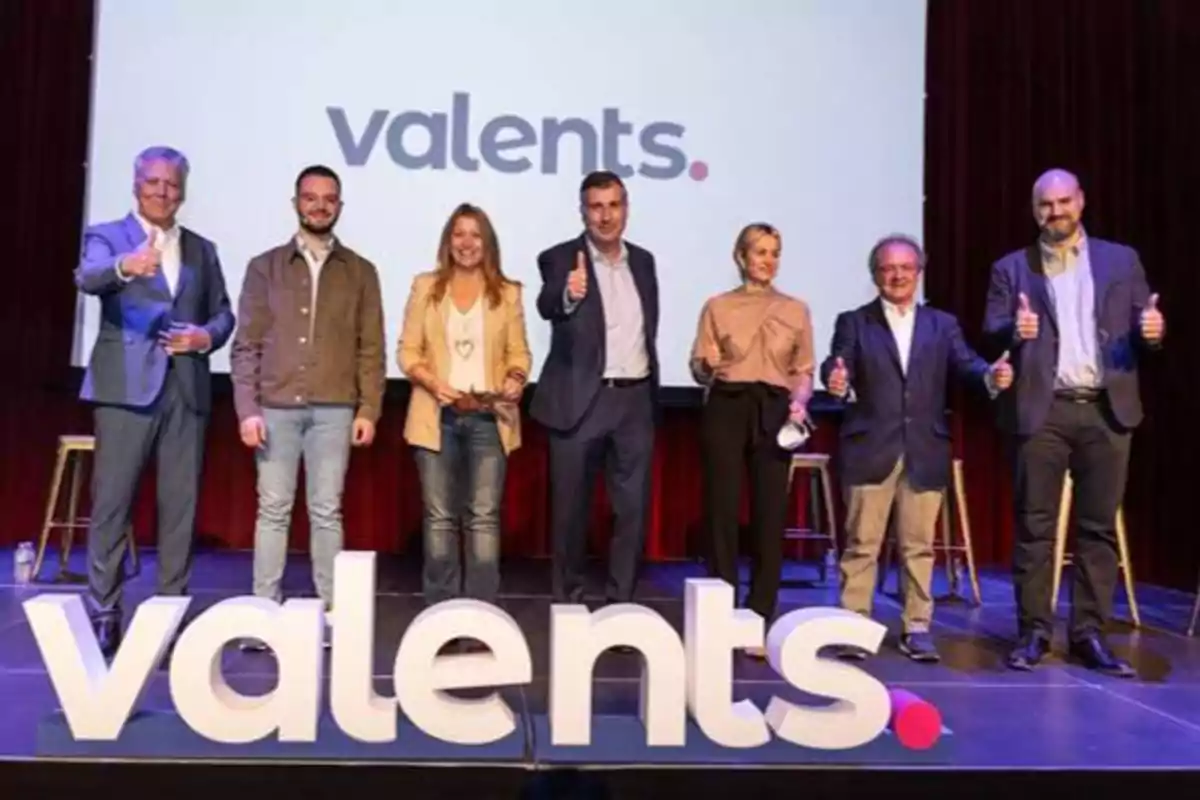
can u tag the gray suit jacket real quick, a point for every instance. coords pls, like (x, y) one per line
(128, 364)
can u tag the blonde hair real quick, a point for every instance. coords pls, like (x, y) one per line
(748, 236)
(493, 276)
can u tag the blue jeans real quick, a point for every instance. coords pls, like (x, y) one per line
(463, 483)
(320, 435)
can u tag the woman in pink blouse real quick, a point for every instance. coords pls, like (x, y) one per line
(754, 352)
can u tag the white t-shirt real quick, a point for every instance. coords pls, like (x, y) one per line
(464, 334)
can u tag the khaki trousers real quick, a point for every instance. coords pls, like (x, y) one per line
(868, 508)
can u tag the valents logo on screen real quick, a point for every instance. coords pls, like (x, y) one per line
(442, 140)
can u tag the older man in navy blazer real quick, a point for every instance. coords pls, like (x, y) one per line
(1076, 313)
(597, 394)
(892, 359)
(164, 310)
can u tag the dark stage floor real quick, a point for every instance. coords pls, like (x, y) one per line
(1060, 717)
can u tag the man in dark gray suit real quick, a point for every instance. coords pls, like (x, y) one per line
(164, 310)
(597, 394)
(1076, 314)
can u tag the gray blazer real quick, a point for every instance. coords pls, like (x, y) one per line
(128, 364)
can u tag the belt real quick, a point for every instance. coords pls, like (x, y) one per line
(623, 383)
(1079, 395)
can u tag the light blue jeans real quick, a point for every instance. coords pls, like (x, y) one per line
(462, 487)
(320, 436)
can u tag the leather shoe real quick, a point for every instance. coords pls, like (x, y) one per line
(108, 636)
(1093, 653)
(1029, 653)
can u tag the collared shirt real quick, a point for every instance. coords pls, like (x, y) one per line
(625, 334)
(902, 322)
(1073, 292)
(315, 259)
(167, 245)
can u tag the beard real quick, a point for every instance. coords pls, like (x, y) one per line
(1059, 230)
(318, 227)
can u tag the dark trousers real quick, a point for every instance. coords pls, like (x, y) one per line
(1081, 437)
(738, 429)
(618, 430)
(125, 439)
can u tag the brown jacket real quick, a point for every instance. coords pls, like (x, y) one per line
(282, 358)
(423, 342)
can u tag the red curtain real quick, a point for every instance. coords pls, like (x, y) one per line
(1103, 87)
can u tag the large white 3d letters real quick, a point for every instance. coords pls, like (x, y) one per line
(861, 706)
(96, 699)
(694, 674)
(422, 676)
(578, 637)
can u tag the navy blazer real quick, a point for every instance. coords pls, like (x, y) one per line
(894, 414)
(128, 363)
(1121, 294)
(574, 367)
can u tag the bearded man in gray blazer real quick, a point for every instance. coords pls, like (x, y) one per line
(163, 311)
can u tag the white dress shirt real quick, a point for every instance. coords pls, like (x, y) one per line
(625, 327)
(902, 322)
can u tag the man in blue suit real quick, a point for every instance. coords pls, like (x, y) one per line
(164, 310)
(597, 394)
(892, 360)
(1076, 314)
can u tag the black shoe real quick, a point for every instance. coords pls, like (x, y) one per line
(1093, 653)
(919, 647)
(848, 652)
(108, 636)
(1032, 649)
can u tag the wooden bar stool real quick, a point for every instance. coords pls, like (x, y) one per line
(1062, 557)
(954, 509)
(820, 503)
(72, 452)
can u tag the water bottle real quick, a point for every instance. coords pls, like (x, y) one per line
(23, 564)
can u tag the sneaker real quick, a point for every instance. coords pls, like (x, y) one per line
(919, 647)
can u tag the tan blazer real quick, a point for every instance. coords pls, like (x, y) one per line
(423, 342)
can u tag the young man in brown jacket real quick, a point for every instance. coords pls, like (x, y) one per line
(309, 372)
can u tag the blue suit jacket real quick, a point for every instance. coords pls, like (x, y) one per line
(128, 364)
(894, 414)
(574, 367)
(1121, 293)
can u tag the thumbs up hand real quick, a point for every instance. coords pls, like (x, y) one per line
(1002, 372)
(1152, 320)
(838, 382)
(577, 280)
(1027, 320)
(144, 261)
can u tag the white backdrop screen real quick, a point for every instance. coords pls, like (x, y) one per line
(807, 114)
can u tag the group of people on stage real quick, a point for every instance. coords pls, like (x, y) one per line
(1067, 316)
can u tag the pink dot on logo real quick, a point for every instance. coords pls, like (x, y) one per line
(698, 170)
(916, 723)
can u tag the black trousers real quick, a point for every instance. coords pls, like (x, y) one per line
(1081, 437)
(738, 429)
(618, 433)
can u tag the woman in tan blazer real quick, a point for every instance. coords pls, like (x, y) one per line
(464, 348)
